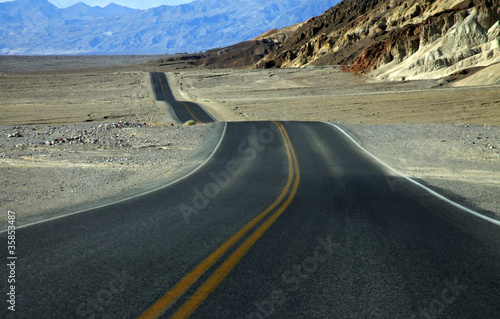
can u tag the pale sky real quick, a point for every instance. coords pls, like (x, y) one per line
(138, 4)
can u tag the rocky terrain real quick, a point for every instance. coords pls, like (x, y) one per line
(239, 55)
(49, 167)
(396, 40)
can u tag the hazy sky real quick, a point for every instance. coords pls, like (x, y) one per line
(138, 4)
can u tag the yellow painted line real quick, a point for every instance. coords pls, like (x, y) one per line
(161, 85)
(218, 276)
(165, 95)
(194, 117)
(180, 288)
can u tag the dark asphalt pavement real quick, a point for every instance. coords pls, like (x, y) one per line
(285, 220)
(182, 111)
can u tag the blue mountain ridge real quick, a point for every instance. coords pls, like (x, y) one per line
(37, 27)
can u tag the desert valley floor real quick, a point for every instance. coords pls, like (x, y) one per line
(118, 137)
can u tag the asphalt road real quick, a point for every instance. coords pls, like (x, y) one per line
(183, 111)
(283, 220)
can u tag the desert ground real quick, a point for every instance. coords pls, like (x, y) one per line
(72, 135)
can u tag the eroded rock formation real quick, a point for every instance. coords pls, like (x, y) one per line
(396, 39)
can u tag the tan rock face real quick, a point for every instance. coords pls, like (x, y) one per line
(396, 39)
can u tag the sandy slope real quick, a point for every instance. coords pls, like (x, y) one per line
(465, 45)
(487, 76)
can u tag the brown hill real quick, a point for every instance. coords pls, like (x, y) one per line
(240, 55)
(279, 35)
(315, 40)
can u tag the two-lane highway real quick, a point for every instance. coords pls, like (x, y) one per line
(281, 219)
(285, 220)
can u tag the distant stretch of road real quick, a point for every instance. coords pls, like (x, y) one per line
(182, 111)
(281, 220)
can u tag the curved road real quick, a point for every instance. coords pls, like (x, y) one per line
(283, 220)
(286, 219)
(181, 110)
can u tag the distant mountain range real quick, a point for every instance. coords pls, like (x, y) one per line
(31, 27)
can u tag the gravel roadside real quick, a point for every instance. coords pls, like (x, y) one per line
(45, 168)
(458, 160)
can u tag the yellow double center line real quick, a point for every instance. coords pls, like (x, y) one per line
(225, 268)
(187, 108)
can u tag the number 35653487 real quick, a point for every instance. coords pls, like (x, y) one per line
(11, 233)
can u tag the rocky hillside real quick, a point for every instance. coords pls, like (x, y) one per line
(396, 39)
(241, 55)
